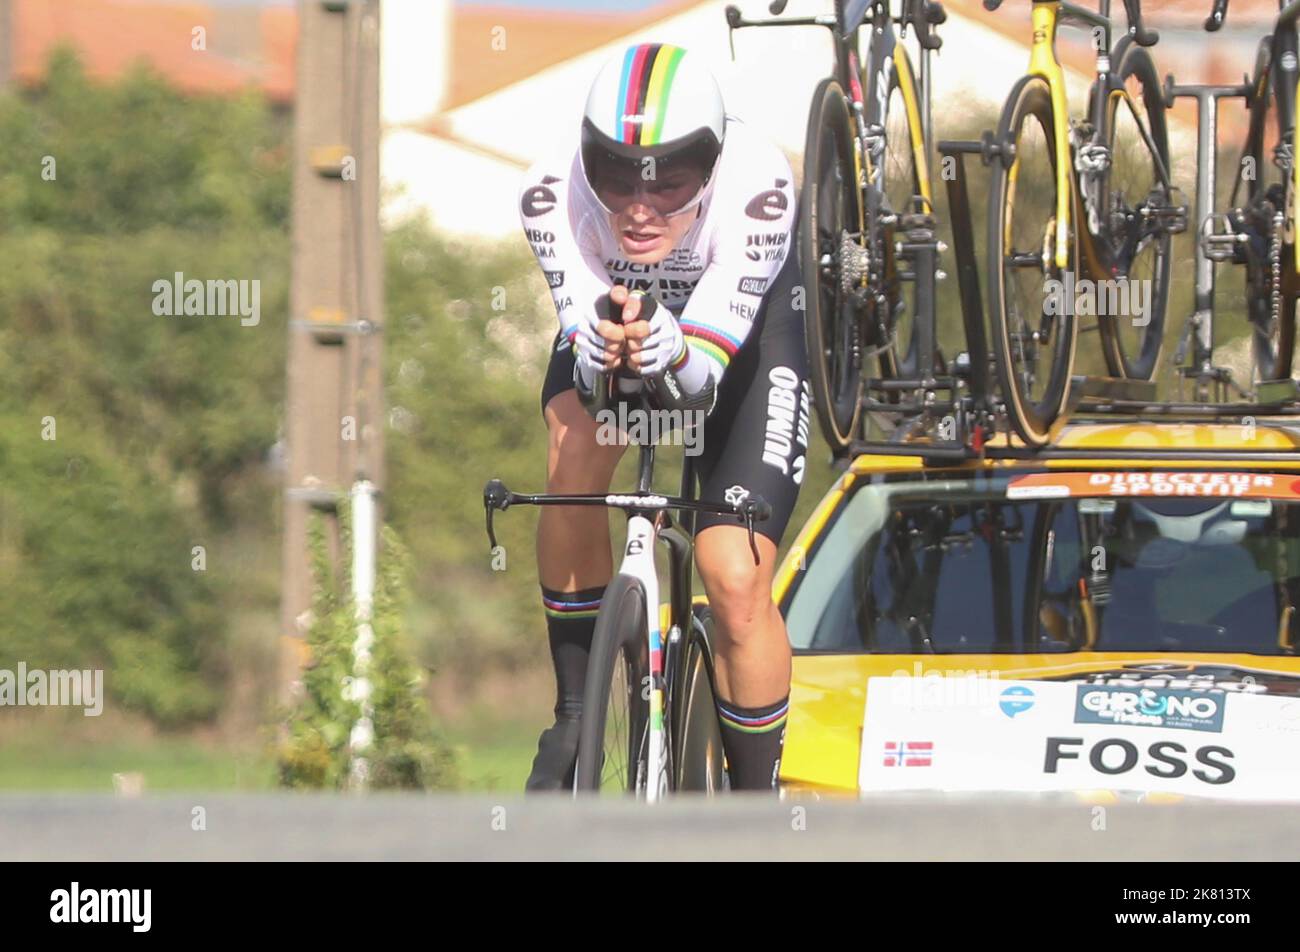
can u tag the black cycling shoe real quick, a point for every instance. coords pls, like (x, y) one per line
(557, 758)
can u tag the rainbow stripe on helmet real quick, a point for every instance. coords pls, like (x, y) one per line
(644, 90)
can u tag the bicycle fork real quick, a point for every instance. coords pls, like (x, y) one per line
(639, 562)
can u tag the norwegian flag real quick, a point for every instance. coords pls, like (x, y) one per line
(908, 753)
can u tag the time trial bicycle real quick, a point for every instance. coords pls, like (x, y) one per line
(1079, 200)
(867, 237)
(649, 718)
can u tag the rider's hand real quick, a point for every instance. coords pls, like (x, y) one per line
(634, 329)
(598, 343)
(654, 338)
(636, 335)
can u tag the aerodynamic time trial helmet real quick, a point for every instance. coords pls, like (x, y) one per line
(653, 128)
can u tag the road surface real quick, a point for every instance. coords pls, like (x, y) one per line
(486, 827)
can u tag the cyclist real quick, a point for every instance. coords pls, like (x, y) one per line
(681, 216)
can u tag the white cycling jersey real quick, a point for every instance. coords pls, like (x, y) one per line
(714, 278)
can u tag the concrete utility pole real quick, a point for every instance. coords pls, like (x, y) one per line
(7, 42)
(335, 412)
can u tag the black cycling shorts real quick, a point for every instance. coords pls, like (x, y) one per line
(756, 438)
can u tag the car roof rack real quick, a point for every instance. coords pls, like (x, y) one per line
(1097, 402)
(958, 416)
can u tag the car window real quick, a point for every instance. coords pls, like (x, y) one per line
(927, 565)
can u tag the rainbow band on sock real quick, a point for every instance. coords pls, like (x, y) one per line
(644, 90)
(556, 608)
(754, 725)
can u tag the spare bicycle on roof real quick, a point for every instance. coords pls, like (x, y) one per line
(1073, 200)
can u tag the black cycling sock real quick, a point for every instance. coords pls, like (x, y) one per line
(570, 623)
(752, 738)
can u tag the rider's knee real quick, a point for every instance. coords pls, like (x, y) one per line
(577, 462)
(738, 590)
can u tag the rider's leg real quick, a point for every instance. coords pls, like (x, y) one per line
(751, 653)
(574, 565)
(756, 440)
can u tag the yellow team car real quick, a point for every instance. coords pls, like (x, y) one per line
(1115, 614)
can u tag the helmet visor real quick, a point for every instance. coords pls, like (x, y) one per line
(668, 181)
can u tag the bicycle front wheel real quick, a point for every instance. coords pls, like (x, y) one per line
(899, 180)
(614, 733)
(700, 760)
(829, 228)
(1031, 298)
(1135, 238)
(1272, 284)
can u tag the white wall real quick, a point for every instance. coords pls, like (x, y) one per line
(463, 191)
(415, 51)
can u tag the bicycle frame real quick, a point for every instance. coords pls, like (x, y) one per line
(639, 563)
(1045, 17)
(886, 52)
(650, 521)
(1043, 62)
(886, 47)
(1285, 41)
(1282, 46)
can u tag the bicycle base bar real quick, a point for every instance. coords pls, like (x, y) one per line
(748, 510)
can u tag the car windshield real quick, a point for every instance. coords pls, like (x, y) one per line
(1056, 562)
